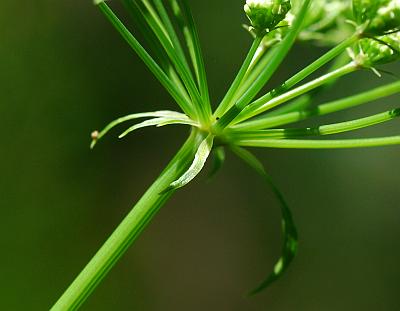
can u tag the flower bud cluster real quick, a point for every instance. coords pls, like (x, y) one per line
(382, 50)
(379, 16)
(325, 23)
(273, 37)
(265, 15)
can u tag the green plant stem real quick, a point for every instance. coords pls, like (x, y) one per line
(330, 107)
(156, 18)
(164, 31)
(277, 56)
(128, 231)
(156, 48)
(170, 29)
(148, 60)
(256, 59)
(321, 130)
(264, 103)
(180, 65)
(178, 82)
(305, 100)
(193, 44)
(185, 20)
(183, 25)
(263, 61)
(327, 57)
(320, 144)
(227, 101)
(307, 71)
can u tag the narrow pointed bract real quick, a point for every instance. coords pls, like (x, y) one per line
(289, 231)
(198, 163)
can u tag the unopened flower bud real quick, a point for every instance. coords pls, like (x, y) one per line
(382, 50)
(380, 16)
(266, 14)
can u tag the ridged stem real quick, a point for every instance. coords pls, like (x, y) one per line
(129, 229)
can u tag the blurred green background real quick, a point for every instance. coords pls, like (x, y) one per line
(65, 72)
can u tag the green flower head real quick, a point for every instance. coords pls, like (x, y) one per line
(325, 23)
(266, 14)
(382, 50)
(380, 16)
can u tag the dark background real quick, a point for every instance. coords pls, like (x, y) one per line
(65, 72)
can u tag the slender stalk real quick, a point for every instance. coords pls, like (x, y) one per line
(324, 109)
(148, 60)
(321, 130)
(267, 62)
(227, 101)
(170, 29)
(193, 43)
(304, 101)
(307, 71)
(182, 69)
(264, 103)
(128, 231)
(195, 52)
(188, 27)
(257, 57)
(327, 57)
(320, 144)
(166, 21)
(156, 48)
(156, 18)
(277, 56)
(163, 29)
(178, 82)
(300, 103)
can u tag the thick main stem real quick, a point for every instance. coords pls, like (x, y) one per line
(129, 229)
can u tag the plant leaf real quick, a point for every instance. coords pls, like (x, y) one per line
(158, 122)
(274, 59)
(147, 59)
(265, 121)
(155, 45)
(193, 44)
(321, 144)
(159, 5)
(180, 64)
(198, 163)
(320, 130)
(166, 114)
(289, 231)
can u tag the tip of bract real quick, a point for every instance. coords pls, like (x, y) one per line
(95, 137)
(97, 2)
(93, 144)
